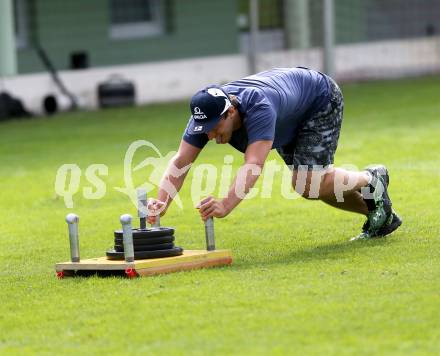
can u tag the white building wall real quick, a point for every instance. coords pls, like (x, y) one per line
(178, 80)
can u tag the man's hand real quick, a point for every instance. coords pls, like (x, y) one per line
(210, 207)
(155, 207)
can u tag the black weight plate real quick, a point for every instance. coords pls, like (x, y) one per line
(176, 251)
(149, 232)
(147, 240)
(120, 248)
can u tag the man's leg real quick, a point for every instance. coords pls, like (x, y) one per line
(315, 145)
(342, 189)
(337, 187)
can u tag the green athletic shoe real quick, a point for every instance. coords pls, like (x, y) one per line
(382, 220)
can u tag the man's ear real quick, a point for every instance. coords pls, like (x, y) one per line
(227, 113)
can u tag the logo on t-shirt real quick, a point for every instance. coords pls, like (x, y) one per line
(198, 114)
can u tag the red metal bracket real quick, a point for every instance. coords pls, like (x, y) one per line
(131, 273)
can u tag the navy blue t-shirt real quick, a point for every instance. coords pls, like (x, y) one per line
(272, 104)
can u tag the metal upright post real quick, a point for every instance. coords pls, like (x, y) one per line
(297, 23)
(329, 37)
(157, 221)
(209, 234)
(72, 222)
(8, 57)
(127, 235)
(142, 208)
(253, 36)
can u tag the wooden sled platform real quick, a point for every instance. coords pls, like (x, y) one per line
(190, 259)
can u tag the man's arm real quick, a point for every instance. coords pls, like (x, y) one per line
(173, 177)
(255, 156)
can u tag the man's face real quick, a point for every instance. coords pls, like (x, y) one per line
(223, 131)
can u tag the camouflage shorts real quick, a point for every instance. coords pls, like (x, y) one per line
(317, 137)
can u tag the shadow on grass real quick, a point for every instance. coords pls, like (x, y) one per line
(328, 251)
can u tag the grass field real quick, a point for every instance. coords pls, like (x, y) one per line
(296, 286)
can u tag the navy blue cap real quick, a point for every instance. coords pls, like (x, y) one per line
(207, 106)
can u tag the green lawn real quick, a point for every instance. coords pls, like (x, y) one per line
(296, 286)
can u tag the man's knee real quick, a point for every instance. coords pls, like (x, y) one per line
(301, 183)
(328, 185)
